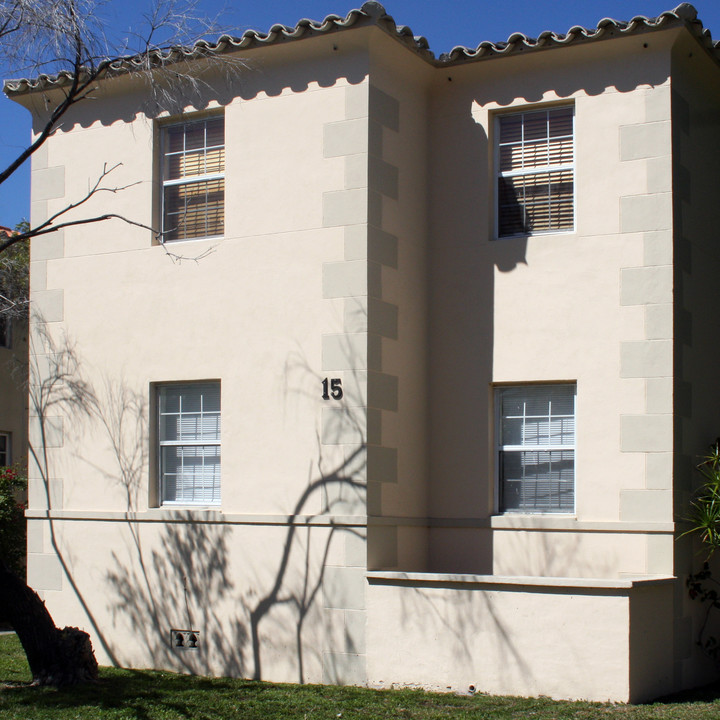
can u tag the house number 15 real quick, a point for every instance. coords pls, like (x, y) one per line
(332, 389)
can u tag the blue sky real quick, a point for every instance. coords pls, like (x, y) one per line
(445, 24)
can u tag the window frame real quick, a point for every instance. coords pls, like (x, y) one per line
(159, 444)
(497, 173)
(500, 447)
(187, 180)
(7, 451)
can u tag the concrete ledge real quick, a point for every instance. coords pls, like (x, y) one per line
(379, 577)
(216, 517)
(196, 516)
(568, 524)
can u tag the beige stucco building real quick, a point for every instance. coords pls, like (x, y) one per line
(451, 315)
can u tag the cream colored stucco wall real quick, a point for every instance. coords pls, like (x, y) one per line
(515, 637)
(359, 245)
(399, 108)
(121, 314)
(696, 387)
(557, 307)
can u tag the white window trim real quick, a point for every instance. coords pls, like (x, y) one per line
(545, 168)
(499, 447)
(160, 444)
(190, 180)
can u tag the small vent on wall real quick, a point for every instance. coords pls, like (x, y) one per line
(184, 639)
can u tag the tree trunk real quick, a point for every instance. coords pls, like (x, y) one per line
(56, 657)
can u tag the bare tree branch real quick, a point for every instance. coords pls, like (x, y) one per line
(66, 46)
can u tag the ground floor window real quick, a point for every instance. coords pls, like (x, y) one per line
(536, 448)
(189, 443)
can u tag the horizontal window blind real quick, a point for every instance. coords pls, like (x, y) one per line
(536, 173)
(189, 439)
(536, 448)
(193, 179)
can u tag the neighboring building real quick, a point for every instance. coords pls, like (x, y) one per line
(456, 316)
(13, 387)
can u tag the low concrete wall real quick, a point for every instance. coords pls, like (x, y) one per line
(566, 638)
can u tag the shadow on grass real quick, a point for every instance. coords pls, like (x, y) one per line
(705, 693)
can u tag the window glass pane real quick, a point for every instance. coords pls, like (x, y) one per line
(189, 435)
(511, 128)
(561, 122)
(194, 136)
(215, 132)
(512, 431)
(191, 474)
(535, 125)
(175, 138)
(532, 195)
(196, 208)
(510, 157)
(540, 417)
(511, 206)
(538, 481)
(535, 154)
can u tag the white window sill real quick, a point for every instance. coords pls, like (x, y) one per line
(526, 236)
(559, 521)
(208, 238)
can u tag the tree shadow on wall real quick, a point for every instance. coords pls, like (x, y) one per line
(182, 574)
(56, 390)
(183, 569)
(188, 570)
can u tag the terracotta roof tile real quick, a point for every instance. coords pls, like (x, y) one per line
(373, 13)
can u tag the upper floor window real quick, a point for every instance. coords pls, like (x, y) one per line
(535, 164)
(5, 332)
(536, 448)
(193, 176)
(189, 443)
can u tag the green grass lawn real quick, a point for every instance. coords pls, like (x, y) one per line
(154, 695)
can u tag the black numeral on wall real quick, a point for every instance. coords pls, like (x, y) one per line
(332, 389)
